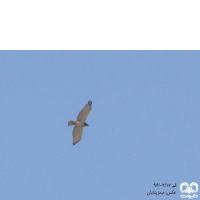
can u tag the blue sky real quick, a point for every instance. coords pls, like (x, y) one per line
(144, 127)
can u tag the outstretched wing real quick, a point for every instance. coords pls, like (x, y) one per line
(77, 134)
(84, 112)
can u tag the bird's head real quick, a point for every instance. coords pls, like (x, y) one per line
(85, 124)
(90, 103)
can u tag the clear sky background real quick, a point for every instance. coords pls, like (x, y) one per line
(144, 127)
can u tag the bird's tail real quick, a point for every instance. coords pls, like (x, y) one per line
(71, 123)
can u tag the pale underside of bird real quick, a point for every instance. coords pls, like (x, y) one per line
(80, 123)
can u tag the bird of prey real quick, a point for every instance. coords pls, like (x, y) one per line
(80, 123)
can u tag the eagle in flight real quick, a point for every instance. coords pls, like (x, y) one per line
(80, 123)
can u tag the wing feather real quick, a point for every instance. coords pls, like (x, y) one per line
(77, 134)
(84, 113)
